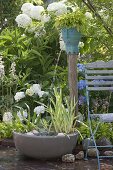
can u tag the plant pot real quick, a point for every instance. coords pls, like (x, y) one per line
(45, 147)
(71, 39)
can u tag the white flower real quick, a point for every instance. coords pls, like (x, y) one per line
(7, 117)
(88, 15)
(41, 93)
(45, 18)
(2, 71)
(58, 7)
(23, 20)
(30, 92)
(26, 8)
(81, 44)
(62, 44)
(37, 89)
(39, 109)
(36, 11)
(19, 96)
(22, 114)
(13, 70)
(103, 14)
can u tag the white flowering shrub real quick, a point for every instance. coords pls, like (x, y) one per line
(57, 12)
(19, 95)
(36, 12)
(58, 8)
(26, 8)
(28, 103)
(7, 117)
(23, 20)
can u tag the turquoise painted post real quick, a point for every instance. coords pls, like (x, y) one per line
(71, 39)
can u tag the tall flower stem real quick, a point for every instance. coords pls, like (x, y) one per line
(72, 79)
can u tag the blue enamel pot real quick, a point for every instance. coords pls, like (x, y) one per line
(71, 39)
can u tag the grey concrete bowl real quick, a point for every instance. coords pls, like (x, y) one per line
(44, 147)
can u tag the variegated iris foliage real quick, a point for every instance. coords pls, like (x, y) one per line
(62, 114)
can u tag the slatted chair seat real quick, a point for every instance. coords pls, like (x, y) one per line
(99, 77)
(107, 118)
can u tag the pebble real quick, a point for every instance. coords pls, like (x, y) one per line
(92, 152)
(108, 153)
(80, 155)
(69, 158)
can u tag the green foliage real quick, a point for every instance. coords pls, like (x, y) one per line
(103, 131)
(6, 129)
(75, 19)
(30, 53)
(61, 114)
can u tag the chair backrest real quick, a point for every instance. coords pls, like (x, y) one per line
(99, 76)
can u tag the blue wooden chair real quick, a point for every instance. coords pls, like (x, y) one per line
(98, 71)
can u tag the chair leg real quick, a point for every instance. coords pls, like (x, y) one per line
(97, 152)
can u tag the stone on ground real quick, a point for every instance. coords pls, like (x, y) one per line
(70, 158)
(80, 155)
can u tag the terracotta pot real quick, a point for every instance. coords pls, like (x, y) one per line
(45, 147)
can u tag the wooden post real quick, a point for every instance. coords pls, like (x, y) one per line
(72, 79)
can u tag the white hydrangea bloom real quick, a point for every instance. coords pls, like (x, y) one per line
(7, 117)
(58, 7)
(36, 88)
(39, 109)
(41, 93)
(22, 114)
(19, 96)
(45, 18)
(30, 92)
(88, 15)
(81, 44)
(36, 11)
(23, 20)
(26, 8)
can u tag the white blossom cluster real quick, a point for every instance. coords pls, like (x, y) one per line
(13, 70)
(58, 7)
(29, 12)
(39, 109)
(81, 44)
(7, 117)
(2, 71)
(88, 15)
(22, 114)
(23, 20)
(19, 96)
(35, 89)
(103, 13)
